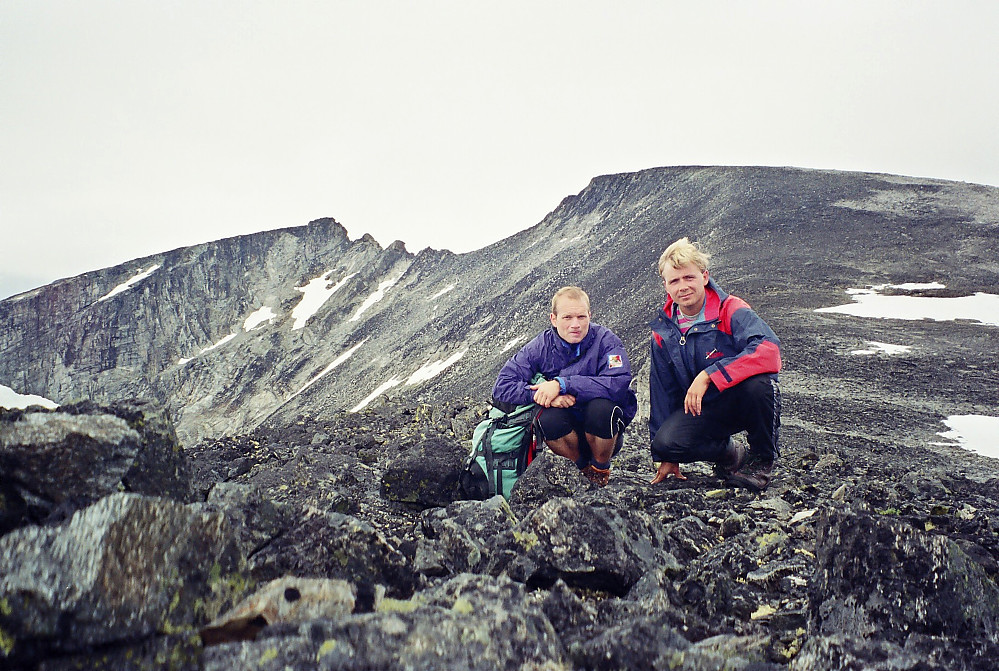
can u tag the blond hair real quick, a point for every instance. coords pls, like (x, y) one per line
(574, 293)
(680, 253)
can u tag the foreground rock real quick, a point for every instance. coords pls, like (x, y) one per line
(843, 563)
(125, 569)
(55, 462)
(469, 622)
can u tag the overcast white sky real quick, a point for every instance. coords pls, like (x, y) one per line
(134, 127)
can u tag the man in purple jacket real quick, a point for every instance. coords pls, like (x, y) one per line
(586, 397)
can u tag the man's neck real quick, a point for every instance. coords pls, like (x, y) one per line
(692, 314)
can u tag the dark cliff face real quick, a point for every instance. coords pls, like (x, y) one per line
(786, 240)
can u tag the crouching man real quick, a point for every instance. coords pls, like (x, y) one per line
(586, 395)
(714, 374)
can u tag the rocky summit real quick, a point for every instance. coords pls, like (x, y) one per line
(255, 460)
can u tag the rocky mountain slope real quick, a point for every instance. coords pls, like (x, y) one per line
(218, 332)
(876, 546)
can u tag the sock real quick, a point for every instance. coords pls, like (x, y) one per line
(602, 465)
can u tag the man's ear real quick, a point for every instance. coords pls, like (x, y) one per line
(705, 278)
(554, 318)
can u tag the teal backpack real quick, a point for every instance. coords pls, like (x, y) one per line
(503, 445)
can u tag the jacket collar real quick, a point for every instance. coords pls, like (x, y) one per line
(579, 347)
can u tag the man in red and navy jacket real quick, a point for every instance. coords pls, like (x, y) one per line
(714, 374)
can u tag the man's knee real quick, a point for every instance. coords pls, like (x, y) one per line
(554, 424)
(604, 418)
(684, 438)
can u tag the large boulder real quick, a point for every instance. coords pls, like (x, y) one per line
(470, 622)
(461, 537)
(876, 575)
(426, 475)
(126, 568)
(591, 546)
(549, 476)
(332, 545)
(55, 462)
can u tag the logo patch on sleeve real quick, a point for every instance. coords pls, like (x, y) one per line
(614, 361)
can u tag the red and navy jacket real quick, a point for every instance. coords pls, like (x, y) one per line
(597, 367)
(732, 344)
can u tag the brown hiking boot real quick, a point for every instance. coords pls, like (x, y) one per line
(731, 459)
(755, 474)
(598, 476)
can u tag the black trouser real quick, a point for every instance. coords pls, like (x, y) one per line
(600, 417)
(753, 406)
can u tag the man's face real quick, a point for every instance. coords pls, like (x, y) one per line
(685, 285)
(571, 319)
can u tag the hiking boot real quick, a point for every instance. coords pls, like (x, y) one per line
(598, 476)
(754, 474)
(730, 460)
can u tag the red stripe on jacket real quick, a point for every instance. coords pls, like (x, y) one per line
(764, 358)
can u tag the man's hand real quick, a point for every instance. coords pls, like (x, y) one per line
(564, 401)
(699, 387)
(546, 392)
(666, 469)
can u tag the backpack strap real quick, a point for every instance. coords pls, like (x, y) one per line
(527, 452)
(487, 454)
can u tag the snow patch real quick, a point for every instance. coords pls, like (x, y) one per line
(261, 316)
(883, 348)
(980, 307)
(432, 369)
(125, 286)
(10, 399)
(443, 291)
(382, 388)
(181, 362)
(512, 342)
(975, 433)
(378, 294)
(336, 362)
(315, 293)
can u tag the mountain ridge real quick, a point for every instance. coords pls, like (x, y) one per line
(786, 239)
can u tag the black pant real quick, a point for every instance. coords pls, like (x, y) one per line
(753, 406)
(600, 417)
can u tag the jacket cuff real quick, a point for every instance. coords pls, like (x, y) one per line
(562, 385)
(719, 379)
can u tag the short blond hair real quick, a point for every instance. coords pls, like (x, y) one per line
(680, 253)
(574, 293)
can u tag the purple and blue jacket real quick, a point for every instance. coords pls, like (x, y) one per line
(597, 367)
(732, 344)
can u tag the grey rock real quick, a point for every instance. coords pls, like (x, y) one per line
(255, 519)
(567, 611)
(287, 600)
(471, 622)
(596, 547)
(840, 652)
(126, 568)
(547, 477)
(461, 538)
(171, 651)
(881, 576)
(426, 475)
(56, 462)
(332, 545)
